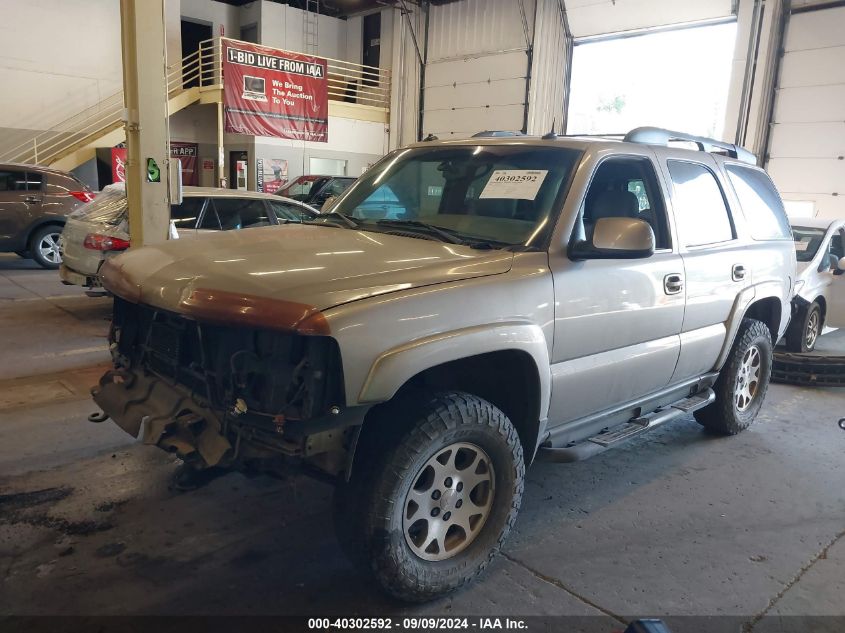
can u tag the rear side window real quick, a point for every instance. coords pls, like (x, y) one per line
(185, 215)
(238, 213)
(700, 210)
(34, 181)
(11, 180)
(760, 203)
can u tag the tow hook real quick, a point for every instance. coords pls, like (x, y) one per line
(97, 417)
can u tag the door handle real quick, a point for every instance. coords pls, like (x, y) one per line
(738, 272)
(31, 199)
(673, 283)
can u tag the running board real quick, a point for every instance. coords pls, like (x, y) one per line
(622, 433)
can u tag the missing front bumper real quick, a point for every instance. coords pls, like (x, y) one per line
(170, 417)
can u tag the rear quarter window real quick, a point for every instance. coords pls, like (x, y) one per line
(761, 205)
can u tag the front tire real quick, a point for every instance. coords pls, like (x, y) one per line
(439, 501)
(742, 383)
(44, 246)
(804, 331)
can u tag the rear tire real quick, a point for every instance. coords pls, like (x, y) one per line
(44, 246)
(431, 510)
(804, 330)
(742, 383)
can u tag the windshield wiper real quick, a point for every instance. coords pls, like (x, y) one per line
(443, 234)
(352, 223)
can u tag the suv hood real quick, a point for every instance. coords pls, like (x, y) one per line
(312, 267)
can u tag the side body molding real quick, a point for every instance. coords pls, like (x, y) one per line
(397, 365)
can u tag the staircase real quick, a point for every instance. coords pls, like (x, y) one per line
(354, 91)
(72, 142)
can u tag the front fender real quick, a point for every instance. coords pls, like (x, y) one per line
(394, 367)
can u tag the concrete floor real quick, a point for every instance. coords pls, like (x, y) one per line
(676, 523)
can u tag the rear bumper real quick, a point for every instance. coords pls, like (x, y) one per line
(70, 277)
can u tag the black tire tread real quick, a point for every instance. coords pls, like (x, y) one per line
(794, 336)
(443, 412)
(721, 417)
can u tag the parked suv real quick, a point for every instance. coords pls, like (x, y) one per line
(535, 299)
(101, 229)
(34, 202)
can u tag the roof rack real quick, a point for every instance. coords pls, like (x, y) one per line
(659, 136)
(496, 133)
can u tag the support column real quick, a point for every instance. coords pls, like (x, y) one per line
(146, 119)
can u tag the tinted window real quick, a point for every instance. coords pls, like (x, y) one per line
(34, 181)
(291, 212)
(184, 216)
(760, 203)
(240, 213)
(627, 187)
(336, 187)
(700, 209)
(12, 180)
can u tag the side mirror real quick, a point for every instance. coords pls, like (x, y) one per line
(616, 238)
(840, 265)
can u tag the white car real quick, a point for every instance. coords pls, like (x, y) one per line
(100, 229)
(819, 298)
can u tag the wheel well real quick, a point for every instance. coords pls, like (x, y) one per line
(507, 379)
(39, 226)
(768, 311)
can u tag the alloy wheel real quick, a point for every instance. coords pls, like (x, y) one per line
(449, 501)
(747, 379)
(49, 249)
(811, 333)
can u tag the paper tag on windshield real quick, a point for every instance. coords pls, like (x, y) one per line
(514, 184)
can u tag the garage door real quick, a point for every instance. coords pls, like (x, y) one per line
(807, 145)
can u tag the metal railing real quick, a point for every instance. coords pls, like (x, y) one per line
(347, 82)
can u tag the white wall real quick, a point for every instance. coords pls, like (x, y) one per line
(282, 27)
(54, 62)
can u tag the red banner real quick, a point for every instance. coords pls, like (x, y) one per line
(270, 92)
(185, 152)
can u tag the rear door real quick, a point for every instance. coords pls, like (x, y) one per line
(20, 204)
(716, 266)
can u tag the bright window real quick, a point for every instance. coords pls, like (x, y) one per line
(673, 79)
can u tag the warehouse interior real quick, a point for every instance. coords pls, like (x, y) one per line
(135, 104)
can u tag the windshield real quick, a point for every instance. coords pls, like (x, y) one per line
(301, 188)
(502, 195)
(807, 242)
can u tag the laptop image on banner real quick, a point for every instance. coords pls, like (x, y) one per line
(254, 88)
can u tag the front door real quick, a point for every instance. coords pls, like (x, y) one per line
(617, 321)
(834, 293)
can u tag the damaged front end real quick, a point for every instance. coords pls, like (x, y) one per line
(235, 397)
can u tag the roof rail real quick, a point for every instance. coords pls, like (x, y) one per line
(659, 136)
(496, 133)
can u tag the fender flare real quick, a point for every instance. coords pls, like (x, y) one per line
(394, 367)
(748, 296)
